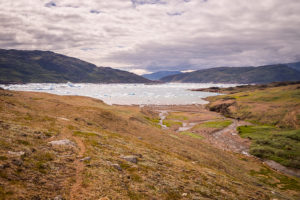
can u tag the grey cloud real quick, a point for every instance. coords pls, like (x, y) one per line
(50, 4)
(156, 34)
(143, 2)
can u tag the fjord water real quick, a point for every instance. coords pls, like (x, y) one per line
(128, 94)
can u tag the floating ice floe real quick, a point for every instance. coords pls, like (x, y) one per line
(127, 94)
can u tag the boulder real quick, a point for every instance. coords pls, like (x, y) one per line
(64, 142)
(85, 159)
(131, 158)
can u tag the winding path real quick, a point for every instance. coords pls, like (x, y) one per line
(79, 166)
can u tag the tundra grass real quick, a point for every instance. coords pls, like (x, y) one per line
(193, 135)
(216, 124)
(170, 123)
(269, 142)
(177, 116)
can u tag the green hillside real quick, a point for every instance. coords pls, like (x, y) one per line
(262, 74)
(44, 66)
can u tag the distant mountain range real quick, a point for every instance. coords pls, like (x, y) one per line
(160, 74)
(295, 65)
(17, 66)
(244, 75)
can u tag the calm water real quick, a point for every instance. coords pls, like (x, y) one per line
(127, 94)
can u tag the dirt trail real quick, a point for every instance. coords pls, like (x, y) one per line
(76, 188)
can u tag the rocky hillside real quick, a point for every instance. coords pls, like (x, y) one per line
(244, 75)
(71, 147)
(44, 66)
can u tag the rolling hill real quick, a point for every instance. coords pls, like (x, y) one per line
(244, 75)
(18, 66)
(160, 74)
(295, 65)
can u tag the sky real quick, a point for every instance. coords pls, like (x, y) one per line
(145, 36)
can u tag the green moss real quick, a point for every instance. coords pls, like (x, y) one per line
(272, 143)
(273, 179)
(193, 135)
(170, 123)
(216, 124)
(154, 121)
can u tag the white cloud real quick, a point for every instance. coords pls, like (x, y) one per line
(150, 35)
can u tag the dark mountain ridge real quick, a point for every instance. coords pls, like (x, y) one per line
(21, 66)
(243, 75)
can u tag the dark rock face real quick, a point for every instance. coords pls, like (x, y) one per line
(222, 108)
(18, 66)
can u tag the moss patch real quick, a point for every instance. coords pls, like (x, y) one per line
(272, 143)
(193, 135)
(216, 124)
(170, 123)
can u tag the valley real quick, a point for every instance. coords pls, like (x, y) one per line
(72, 147)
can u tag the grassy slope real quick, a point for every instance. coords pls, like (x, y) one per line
(275, 111)
(261, 74)
(167, 168)
(45, 66)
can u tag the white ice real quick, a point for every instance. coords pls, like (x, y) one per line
(127, 94)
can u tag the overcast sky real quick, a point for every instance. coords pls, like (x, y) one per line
(151, 35)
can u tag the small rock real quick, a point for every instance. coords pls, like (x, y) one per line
(117, 166)
(139, 155)
(19, 153)
(59, 197)
(130, 158)
(184, 194)
(85, 159)
(140, 138)
(65, 142)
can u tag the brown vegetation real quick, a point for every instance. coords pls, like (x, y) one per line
(94, 139)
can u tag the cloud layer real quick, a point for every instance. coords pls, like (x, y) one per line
(152, 35)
